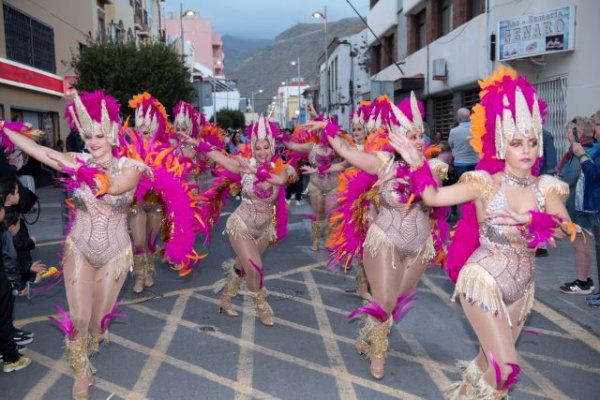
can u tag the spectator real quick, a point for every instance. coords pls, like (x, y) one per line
(74, 142)
(59, 146)
(579, 130)
(446, 154)
(465, 157)
(9, 164)
(590, 164)
(548, 167)
(13, 360)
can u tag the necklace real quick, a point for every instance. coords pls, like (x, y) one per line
(515, 181)
(102, 164)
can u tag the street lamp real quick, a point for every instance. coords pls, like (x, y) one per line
(252, 101)
(187, 13)
(323, 16)
(297, 64)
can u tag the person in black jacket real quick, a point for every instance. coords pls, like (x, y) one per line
(13, 361)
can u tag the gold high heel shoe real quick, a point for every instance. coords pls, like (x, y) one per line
(139, 266)
(149, 273)
(379, 345)
(77, 358)
(230, 289)
(263, 309)
(316, 235)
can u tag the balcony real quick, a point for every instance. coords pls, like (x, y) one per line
(140, 17)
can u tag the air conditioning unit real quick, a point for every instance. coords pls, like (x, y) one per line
(440, 71)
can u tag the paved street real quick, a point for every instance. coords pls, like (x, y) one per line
(174, 344)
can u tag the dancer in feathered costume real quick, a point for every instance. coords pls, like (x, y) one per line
(398, 244)
(337, 220)
(146, 215)
(323, 172)
(187, 122)
(170, 189)
(97, 252)
(260, 219)
(509, 212)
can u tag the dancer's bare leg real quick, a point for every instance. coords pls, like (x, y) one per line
(246, 250)
(137, 222)
(79, 283)
(317, 203)
(495, 336)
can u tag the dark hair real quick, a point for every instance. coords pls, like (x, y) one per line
(8, 185)
(11, 216)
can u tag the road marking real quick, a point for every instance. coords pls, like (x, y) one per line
(62, 367)
(345, 389)
(432, 367)
(149, 370)
(186, 366)
(51, 377)
(540, 380)
(368, 383)
(245, 369)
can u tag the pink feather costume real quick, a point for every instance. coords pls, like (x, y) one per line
(492, 263)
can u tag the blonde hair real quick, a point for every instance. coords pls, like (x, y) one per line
(584, 125)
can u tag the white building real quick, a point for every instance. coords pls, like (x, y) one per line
(444, 46)
(347, 82)
(285, 108)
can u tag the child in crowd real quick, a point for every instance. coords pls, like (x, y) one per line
(11, 283)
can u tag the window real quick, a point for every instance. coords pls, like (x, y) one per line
(443, 115)
(101, 34)
(446, 10)
(375, 59)
(28, 40)
(389, 50)
(475, 7)
(420, 31)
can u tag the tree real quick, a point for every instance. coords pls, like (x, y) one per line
(230, 119)
(124, 70)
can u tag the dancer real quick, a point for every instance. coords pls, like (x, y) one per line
(399, 243)
(359, 135)
(323, 174)
(503, 221)
(261, 217)
(146, 217)
(97, 251)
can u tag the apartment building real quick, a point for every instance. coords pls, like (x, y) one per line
(443, 47)
(37, 41)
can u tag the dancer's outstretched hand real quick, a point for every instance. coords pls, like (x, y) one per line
(405, 148)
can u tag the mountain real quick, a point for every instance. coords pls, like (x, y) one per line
(267, 67)
(237, 49)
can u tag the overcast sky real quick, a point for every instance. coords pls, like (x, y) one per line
(264, 19)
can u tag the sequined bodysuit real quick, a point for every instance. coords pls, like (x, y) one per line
(406, 228)
(324, 183)
(501, 271)
(253, 219)
(99, 232)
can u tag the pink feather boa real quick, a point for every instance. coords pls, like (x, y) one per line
(64, 323)
(13, 126)
(373, 309)
(350, 228)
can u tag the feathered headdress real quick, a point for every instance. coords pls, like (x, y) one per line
(407, 116)
(92, 111)
(263, 129)
(150, 115)
(508, 104)
(361, 114)
(185, 116)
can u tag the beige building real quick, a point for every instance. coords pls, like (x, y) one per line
(37, 41)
